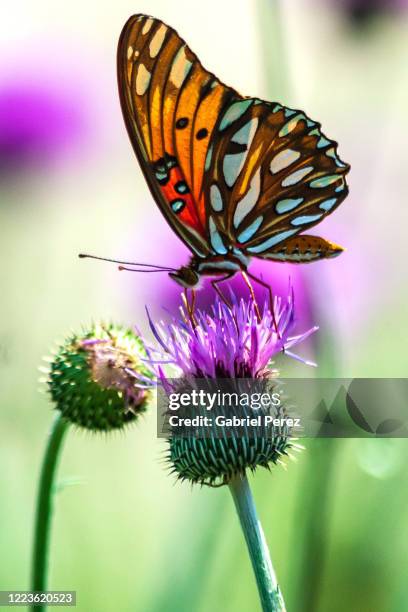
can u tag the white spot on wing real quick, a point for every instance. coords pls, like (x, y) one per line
(234, 162)
(323, 142)
(216, 198)
(208, 158)
(290, 125)
(147, 26)
(328, 204)
(250, 230)
(234, 112)
(324, 181)
(157, 41)
(297, 176)
(142, 80)
(283, 160)
(180, 68)
(216, 240)
(245, 135)
(248, 202)
(303, 219)
(129, 52)
(270, 242)
(232, 166)
(284, 206)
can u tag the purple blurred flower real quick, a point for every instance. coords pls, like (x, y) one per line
(38, 124)
(229, 342)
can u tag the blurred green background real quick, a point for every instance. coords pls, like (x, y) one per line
(126, 537)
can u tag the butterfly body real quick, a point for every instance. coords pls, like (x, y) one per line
(235, 177)
(213, 266)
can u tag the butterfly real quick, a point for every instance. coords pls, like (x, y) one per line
(235, 177)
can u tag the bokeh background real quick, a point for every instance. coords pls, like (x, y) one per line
(125, 536)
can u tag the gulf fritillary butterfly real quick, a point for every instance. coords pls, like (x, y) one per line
(235, 177)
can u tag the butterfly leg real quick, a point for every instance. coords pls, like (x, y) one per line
(190, 307)
(215, 284)
(251, 291)
(193, 300)
(247, 275)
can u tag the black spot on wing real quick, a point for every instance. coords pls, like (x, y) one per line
(181, 123)
(203, 133)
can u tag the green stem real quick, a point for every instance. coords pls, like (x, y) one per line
(45, 503)
(269, 592)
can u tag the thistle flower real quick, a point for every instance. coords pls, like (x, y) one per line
(98, 379)
(228, 342)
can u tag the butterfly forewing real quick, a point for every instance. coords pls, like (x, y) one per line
(170, 104)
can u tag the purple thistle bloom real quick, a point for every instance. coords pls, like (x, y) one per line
(38, 124)
(229, 341)
(235, 344)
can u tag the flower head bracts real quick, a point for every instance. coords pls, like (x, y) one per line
(230, 340)
(99, 379)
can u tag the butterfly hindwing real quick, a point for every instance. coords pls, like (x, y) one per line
(273, 175)
(302, 248)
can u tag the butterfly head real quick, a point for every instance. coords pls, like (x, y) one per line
(186, 277)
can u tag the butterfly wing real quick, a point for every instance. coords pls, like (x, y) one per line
(273, 174)
(170, 105)
(227, 172)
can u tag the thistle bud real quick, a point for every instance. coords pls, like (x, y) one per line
(99, 379)
(214, 460)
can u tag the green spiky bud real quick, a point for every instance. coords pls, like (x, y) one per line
(214, 461)
(98, 379)
(213, 455)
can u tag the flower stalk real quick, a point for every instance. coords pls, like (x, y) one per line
(268, 588)
(45, 505)
(97, 380)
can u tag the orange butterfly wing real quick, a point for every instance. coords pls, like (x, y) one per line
(170, 105)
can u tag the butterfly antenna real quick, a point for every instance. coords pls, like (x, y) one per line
(156, 268)
(121, 268)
